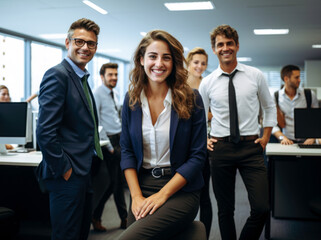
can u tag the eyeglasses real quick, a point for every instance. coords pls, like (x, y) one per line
(80, 42)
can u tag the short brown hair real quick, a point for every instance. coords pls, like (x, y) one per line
(86, 24)
(195, 51)
(287, 71)
(225, 30)
(107, 65)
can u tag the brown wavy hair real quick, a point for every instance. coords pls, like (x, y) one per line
(183, 97)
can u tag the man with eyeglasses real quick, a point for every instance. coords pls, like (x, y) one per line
(67, 134)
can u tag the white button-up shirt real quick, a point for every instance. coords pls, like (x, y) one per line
(287, 106)
(156, 137)
(251, 92)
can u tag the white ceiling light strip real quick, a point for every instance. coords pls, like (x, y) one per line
(270, 31)
(95, 7)
(189, 6)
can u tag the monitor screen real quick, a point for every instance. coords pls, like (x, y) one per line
(13, 122)
(307, 122)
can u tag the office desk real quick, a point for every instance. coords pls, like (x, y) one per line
(20, 192)
(31, 159)
(295, 179)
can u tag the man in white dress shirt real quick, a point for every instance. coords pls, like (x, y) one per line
(289, 97)
(234, 93)
(109, 119)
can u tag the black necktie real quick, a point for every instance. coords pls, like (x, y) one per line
(112, 96)
(96, 138)
(234, 122)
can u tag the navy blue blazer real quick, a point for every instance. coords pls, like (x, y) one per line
(65, 127)
(187, 142)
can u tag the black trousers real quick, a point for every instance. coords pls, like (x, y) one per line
(206, 212)
(247, 157)
(177, 213)
(116, 186)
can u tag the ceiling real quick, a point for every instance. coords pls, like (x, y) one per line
(121, 27)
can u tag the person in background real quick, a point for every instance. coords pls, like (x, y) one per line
(291, 96)
(5, 97)
(67, 134)
(4, 94)
(32, 96)
(196, 65)
(163, 141)
(109, 119)
(235, 92)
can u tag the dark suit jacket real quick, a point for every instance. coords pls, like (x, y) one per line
(65, 127)
(187, 142)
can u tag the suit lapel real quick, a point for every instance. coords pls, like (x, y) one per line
(75, 79)
(137, 117)
(173, 127)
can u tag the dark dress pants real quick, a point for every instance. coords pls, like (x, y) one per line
(247, 157)
(170, 219)
(116, 185)
(206, 213)
(70, 207)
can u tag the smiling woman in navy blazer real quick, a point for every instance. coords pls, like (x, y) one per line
(163, 141)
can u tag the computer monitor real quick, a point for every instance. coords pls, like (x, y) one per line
(13, 122)
(307, 122)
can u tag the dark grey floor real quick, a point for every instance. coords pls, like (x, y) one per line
(280, 229)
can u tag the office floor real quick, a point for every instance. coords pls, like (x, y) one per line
(281, 229)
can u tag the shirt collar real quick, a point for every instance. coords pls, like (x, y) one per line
(167, 100)
(239, 68)
(80, 73)
(298, 92)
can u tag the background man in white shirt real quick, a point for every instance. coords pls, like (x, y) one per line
(109, 119)
(289, 97)
(236, 144)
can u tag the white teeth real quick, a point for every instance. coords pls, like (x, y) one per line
(157, 71)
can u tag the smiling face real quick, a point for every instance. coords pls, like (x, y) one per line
(226, 50)
(157, 62)
(81, 55)
(110, 77)
(197, 65)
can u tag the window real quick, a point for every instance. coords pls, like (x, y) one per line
(43, 57)
(12, 66)
(274, 81)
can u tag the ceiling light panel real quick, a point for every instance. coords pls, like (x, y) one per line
(189, 6)
(270, 31)
(244, 59)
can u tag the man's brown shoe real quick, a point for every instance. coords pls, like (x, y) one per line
(123, 224)
(97, 226)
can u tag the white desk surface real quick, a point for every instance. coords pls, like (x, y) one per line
(291, 150)
(31, 159)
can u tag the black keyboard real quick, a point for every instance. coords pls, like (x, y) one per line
(301, 145)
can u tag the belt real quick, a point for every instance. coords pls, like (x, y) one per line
(242, 138)
(114, 135)
(157, 172)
